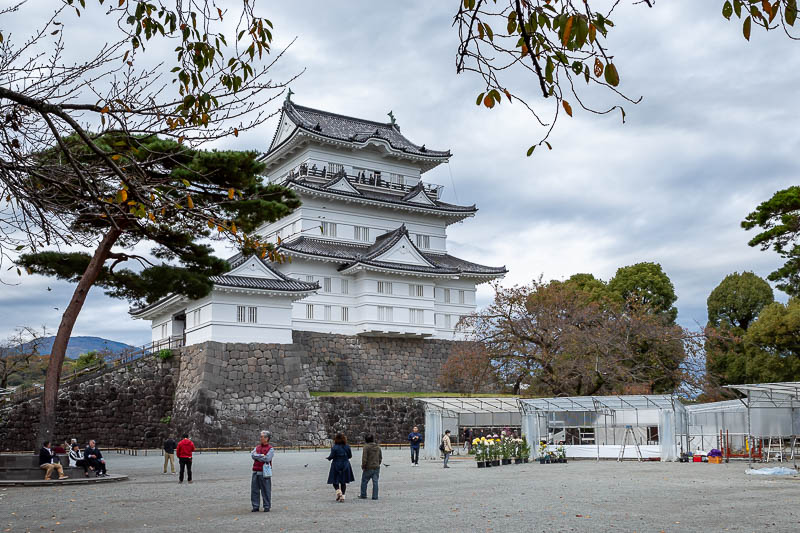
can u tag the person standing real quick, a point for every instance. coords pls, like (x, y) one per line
(446, 447)
(184, 452)
(371, 458)
(467, 440)
(76, 459)
(95, 458)
(415, 438)
(49, 462)
(261, 481)
(169, 454)
(341, 473)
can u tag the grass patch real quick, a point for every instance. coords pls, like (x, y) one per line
(409, 394)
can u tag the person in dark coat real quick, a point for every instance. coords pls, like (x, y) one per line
(341, 473)
(95, 459)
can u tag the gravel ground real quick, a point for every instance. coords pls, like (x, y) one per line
(578, 496)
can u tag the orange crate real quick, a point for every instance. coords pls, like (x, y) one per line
(715, 460)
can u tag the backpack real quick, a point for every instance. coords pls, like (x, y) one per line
(441, 445)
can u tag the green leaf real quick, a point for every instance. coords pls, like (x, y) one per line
(479, 100)
(746, 27)
(737, 8)
(531, 149)
(611, 75)
(727, 10)
(791, 12)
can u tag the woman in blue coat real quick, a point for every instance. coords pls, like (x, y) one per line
(341, 472)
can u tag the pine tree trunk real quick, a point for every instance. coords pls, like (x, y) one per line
(47, 420)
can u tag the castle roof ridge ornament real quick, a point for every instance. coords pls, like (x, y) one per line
(289, 94)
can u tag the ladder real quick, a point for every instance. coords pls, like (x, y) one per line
(775, 449)
(629, 433)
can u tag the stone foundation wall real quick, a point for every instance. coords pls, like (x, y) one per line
(223, 393)
(389, 419)
(120, 406)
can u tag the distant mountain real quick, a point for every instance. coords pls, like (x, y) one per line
(80, 345)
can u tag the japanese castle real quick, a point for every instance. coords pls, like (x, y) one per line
(368, 245)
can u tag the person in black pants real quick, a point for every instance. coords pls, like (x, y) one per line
(415, 438)
(184, 452)
(95, 459)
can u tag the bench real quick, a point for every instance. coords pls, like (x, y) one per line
(25, 467)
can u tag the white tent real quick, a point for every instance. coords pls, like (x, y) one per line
(597, 426)
(454, 412)
(772, 412)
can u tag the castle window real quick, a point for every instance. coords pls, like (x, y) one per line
(329, 229)
(310, 311)
(333, 168)
(385, 287)
(345, 314)
(446, 296)
(245, 314)
(345, 286)
(447, 322)
(310, 279)
(384, 313)
(240, 313)
(423, 241)
(196, 317)
(461, 296)
(252, 315)
(163, 331)
(328, 312)
(416, 290)
(326, 284)
(361, 233)
(416, 316)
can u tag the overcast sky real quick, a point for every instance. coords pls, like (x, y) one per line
(715, 134)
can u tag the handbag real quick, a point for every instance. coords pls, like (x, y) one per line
(267, 470)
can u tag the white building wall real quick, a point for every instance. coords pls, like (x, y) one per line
(216, 318)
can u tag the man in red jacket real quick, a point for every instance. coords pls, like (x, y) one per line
(261, 482)
(184, 453)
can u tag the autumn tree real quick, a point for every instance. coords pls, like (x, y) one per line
(549, 55)
(468, 369)
(17, 351)
(557, 339)
(106, 152)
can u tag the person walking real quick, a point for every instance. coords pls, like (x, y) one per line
(341, 473)
(261, 480)
(415, 438)
(169, 453)
(48, 461)
(446, 447)
(371, 458)
(184, 452)
(93, 455)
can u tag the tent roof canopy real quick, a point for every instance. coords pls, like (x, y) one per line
(600, 403)
(472, 405)
(769, 394)
(791, 388)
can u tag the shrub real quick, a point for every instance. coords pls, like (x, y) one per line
(166, 419)
(164, 354)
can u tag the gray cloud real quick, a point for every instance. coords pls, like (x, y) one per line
(712, 138)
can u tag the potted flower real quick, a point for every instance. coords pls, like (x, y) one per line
(506, 449)
(562, 454)
(525, 450)
(495, 450)
(517, 451)
(544, 456)
(479, 449)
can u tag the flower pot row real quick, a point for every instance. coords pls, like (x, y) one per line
(552, 460)
(499, 462)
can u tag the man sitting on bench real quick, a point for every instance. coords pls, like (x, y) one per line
(49, 462)
(76, 459)
(95, 459)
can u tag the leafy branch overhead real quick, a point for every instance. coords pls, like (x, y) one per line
(559, 50)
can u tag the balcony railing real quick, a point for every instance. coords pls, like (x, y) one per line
(372, 179)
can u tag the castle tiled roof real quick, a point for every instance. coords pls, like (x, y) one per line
(386, 198)
(351, 255)
(249, 282)
(354, 130)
